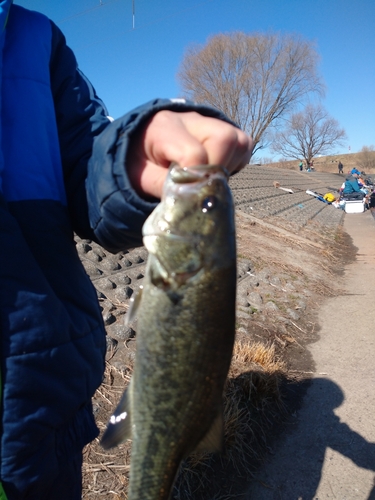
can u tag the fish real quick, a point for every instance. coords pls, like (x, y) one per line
(172, 406)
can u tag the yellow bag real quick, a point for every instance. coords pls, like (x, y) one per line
(329, 197)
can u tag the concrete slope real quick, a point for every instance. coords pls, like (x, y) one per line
(328, 451)
(255, 193)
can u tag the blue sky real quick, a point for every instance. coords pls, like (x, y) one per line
(131, 66)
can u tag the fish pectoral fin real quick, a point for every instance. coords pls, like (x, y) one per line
(119, 425)
(213, 440)
(135, 301)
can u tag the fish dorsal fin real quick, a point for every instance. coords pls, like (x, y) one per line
(119, 425)
(213, 440)
(135, 301)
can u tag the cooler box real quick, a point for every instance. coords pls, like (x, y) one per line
(354, 207)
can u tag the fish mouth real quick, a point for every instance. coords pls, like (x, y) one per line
(197, 173)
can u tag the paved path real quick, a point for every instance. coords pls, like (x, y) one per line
(329, 451)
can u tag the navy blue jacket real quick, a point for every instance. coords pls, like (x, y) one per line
(62, 170)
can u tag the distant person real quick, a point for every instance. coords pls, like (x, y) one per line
(361, 181)
(365, 190)
(300, 166)
(340, 167)
(352, 189)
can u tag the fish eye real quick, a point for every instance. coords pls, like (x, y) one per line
(209, 203)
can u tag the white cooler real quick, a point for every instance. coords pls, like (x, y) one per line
(354, 207)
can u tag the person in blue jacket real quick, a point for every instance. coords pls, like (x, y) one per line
(351, 188)
(65, 167)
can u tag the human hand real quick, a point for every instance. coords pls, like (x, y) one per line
(188, 139)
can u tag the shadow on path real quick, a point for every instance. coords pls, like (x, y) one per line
(294, 473)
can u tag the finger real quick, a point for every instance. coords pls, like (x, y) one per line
(243, 153)
(224, 144)
(151, 178)
(232, 149)
(163, 141)
(168, 140)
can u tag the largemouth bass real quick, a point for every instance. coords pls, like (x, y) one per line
(185, 333)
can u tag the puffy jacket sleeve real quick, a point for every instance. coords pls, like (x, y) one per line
(117, 213)
(102, 203)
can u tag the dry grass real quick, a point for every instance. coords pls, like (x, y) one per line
(329, 163)
(105, 473)
(251, 402)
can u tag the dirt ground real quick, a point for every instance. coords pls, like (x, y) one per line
(328, 450)
(283, 280)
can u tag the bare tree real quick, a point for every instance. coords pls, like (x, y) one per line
(366, 158)
(307, 134)
(254, 79)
